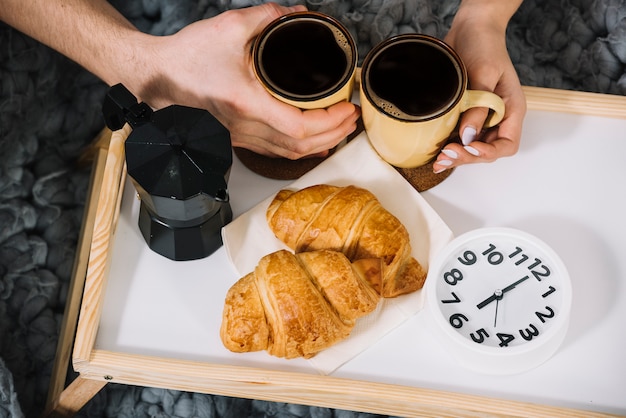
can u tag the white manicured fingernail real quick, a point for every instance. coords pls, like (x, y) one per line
(450, 153)
(469, 134)
(472, 150)
(445, 164)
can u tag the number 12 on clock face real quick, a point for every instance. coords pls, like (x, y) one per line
(499, 291)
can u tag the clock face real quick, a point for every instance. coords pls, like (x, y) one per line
(500, 292)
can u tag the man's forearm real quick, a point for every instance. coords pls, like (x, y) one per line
(90, 32)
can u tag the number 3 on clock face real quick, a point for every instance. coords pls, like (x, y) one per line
(500, 299)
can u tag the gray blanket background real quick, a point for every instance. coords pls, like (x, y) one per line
(50, 110)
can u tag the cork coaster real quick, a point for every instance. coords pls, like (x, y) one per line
(278, 168)
(284, 168)
(422, 178)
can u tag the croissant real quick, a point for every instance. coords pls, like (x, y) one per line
(295, 305)
(351, 220)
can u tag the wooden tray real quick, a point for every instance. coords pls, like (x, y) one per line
(94, 363)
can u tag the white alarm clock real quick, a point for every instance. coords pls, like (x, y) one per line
(499, 299)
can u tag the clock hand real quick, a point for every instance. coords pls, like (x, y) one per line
(512, 286)
(498, 293)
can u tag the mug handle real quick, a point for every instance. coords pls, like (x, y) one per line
(479, 98)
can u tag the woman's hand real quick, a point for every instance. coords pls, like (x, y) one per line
(478, 35)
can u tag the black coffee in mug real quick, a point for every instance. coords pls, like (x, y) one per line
(413, 79)
(305, 57)
(413, 93)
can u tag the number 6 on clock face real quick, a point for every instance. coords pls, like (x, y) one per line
(499, 299)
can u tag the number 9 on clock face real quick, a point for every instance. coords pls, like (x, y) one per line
(499, 299)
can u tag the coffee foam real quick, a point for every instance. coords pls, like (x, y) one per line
(388, 107)
(392, 110)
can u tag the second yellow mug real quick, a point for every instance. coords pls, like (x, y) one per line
(413, 91)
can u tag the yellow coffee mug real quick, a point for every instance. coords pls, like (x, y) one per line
(413, 91)
(306, 59)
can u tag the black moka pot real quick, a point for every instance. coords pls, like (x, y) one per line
(179, 160)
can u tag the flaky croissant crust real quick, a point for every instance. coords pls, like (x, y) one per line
(351, 220)
(297, 305)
